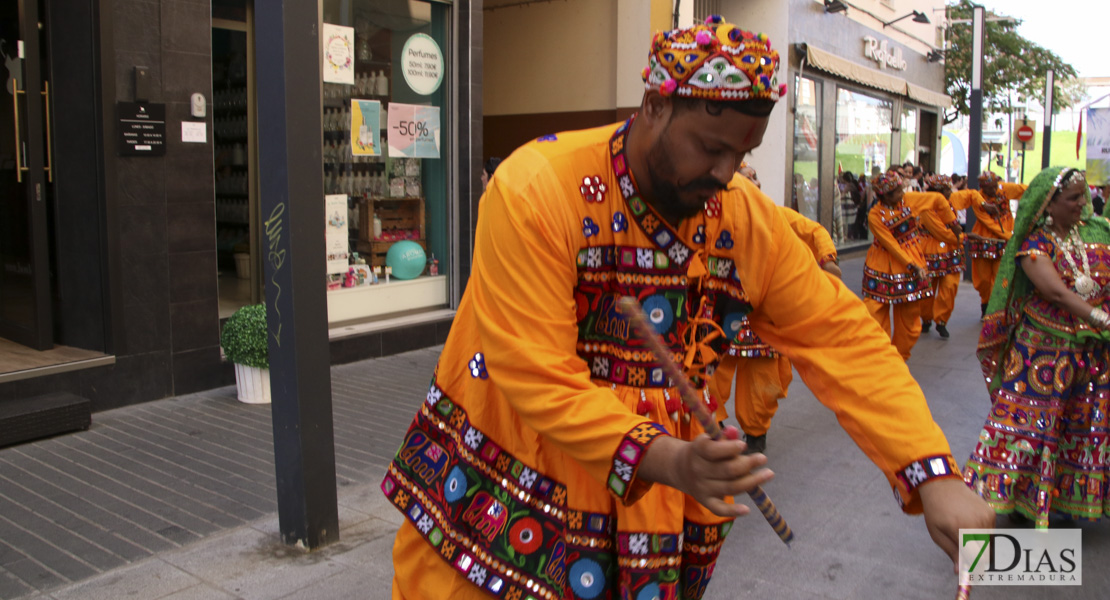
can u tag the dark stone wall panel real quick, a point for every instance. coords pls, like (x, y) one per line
(192, 227)
(201, 369)
(194, 324)
(193, 278)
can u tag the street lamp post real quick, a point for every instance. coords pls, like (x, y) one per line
(975, 138)
(1049, 84)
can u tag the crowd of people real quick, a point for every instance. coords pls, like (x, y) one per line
(556, 456)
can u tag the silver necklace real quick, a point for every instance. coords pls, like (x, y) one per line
(1085, 285)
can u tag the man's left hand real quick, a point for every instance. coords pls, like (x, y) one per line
(949, 507)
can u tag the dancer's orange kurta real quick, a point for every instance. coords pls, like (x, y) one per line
(519, 474)
(944, 259)
(763, 376)
(996, 231)
(889, 286)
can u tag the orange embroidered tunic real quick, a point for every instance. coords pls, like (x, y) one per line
(941, 249)
(886, 274)
(997, 230)
(519, 474)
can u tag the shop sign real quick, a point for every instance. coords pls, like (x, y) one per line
(335, 236)
(365, 127)
(422, 64)
(413, 131)
(882, 53)
(142, 128)
(339, 63)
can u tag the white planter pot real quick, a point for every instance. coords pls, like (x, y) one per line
(242, 265)
(253, 384)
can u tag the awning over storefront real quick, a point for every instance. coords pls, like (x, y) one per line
(831, 63)
(926, 96)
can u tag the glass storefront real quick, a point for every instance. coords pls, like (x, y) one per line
(863, 134)
(863, 148)
(805, 197)
(387, 121)
(909, 137)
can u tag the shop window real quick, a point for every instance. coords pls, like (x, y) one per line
(805, 191)
(909, 137)
(386, 121)
(863, 149)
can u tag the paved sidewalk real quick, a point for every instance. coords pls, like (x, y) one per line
(175, 499)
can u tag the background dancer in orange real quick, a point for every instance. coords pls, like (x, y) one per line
(762, 374)
(894, 274)
(994, 224)
(944, 259)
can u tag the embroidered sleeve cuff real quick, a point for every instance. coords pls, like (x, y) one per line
(626, 462)
(1032, 252)
(828, 258)
(909, 479)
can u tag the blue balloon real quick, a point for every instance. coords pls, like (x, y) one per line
(406, 258)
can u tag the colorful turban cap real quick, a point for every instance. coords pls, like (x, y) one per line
(937, 182)
(713, 61)
(885, 183)
(990, 184)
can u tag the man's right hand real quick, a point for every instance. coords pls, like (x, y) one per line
(707, 470)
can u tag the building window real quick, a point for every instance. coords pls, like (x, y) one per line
(704, 8)
(863, 148)
(805, 196)
(387, 122)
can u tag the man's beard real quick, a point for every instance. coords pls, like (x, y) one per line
(666, 193)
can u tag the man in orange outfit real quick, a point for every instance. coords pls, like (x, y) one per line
(762, 374)
(943, 251)
(895, 278)
(550, 458)
(994, 224)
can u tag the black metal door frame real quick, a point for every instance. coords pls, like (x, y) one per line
(32, 174)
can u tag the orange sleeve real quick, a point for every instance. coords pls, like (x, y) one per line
(963, 199)
(812, 234)
(886, 240)
(992, 225)
(935, 214)
(838, 348)
(1013, 191)
(523, 293)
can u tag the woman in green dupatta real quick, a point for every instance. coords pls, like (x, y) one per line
(1045, 353)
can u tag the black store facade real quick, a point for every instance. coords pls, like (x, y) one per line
(860, 102)
(130, 209)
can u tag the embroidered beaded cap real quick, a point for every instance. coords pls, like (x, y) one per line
(937, 182)
(885, 183)
(715, 61)
(990, 183)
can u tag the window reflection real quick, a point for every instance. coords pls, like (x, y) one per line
(863, 149)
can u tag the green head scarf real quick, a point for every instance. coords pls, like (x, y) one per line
(1012, 288)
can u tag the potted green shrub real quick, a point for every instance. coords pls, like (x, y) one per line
(244, 342)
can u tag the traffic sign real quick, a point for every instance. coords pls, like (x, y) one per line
(1024, 135)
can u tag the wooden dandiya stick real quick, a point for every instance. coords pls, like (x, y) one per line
(964, 592)
(631, 308)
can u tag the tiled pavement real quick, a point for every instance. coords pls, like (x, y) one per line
(175, 499)
(155, 478)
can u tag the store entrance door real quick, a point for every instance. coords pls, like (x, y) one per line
(25, 178)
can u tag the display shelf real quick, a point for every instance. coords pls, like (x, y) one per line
(346, 304)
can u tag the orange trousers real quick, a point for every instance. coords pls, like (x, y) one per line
(939, 307)
(760, 383)
(907, 322)
(983, 273)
